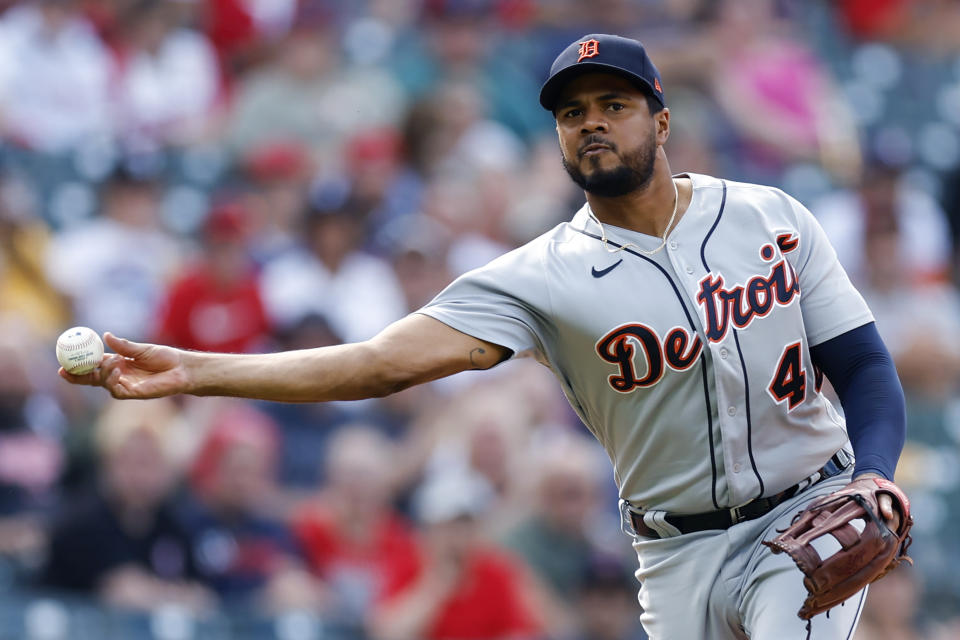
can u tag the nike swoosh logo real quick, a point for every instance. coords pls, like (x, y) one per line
(603, 272)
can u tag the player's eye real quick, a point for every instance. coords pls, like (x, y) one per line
(616, 106)
(572, 113)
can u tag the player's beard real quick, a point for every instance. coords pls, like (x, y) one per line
(634, 173)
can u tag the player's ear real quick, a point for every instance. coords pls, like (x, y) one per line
(662, 121)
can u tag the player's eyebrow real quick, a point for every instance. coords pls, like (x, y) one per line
(572, 102)
(610, 95)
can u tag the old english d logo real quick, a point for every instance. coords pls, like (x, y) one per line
(588, 49)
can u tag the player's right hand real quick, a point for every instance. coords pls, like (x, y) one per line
(136, 370)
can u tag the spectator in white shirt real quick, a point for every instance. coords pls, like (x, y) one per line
(884, 199)
(54, 77)
(114, 268)
(169, 78)
(331, 277)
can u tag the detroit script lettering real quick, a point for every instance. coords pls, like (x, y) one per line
(721, 306)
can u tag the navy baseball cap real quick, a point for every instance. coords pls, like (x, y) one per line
(601, 52)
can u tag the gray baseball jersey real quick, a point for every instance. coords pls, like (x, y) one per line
(691, 366)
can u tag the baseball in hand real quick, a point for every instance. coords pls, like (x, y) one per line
(79, 350)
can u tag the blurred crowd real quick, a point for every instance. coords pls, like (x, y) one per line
(255, 175)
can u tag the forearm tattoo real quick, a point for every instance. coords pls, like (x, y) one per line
(479, 351)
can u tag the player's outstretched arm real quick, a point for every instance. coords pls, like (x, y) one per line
(411, 351)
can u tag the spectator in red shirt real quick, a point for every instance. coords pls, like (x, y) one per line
(216, 304)
(466, 589)
(352, 536)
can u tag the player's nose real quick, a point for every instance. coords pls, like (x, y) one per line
(594, 122)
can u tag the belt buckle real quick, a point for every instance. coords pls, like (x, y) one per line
(737, 514)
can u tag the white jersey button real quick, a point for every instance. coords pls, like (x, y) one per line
(736, 467)
(732, 411)
(723, 354)
(673, 244)
(689, 269)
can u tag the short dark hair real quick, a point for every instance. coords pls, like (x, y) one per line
(653, 104)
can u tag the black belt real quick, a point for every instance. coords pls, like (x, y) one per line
(726, 518)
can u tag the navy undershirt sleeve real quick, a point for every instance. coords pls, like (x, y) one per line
(862, 372)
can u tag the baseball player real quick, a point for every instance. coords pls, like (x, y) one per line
(690, 321)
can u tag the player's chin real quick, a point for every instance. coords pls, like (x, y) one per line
(601, 160)
(603, 171)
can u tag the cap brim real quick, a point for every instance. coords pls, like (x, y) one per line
(550, 92)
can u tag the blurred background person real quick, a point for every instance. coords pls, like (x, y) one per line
(351, 533)
(418, 247)
(451, 130)
(124, 541)
(331, 276)
(245, 552)
(378, 183)
(32, 456)
(555, 537)
(168, 81)
(55, 76)
(477, 434)
(308, 93)
(25, 290)
(777, 93)
(606, 600)
(94, 266)
(31, 426)
(459, 40)
(277, 177)
(215, 305)
(466, 587)
(884, 199)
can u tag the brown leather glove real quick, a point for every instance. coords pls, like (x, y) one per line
(863, 557)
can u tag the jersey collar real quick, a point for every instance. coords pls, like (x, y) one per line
(582, 221)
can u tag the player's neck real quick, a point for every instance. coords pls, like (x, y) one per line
(648, 210)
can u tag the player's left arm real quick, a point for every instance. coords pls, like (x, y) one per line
(847, 348)
(861, 370)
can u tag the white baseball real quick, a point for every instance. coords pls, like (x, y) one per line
(79, 350)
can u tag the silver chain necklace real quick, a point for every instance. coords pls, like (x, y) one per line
(663, 239)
